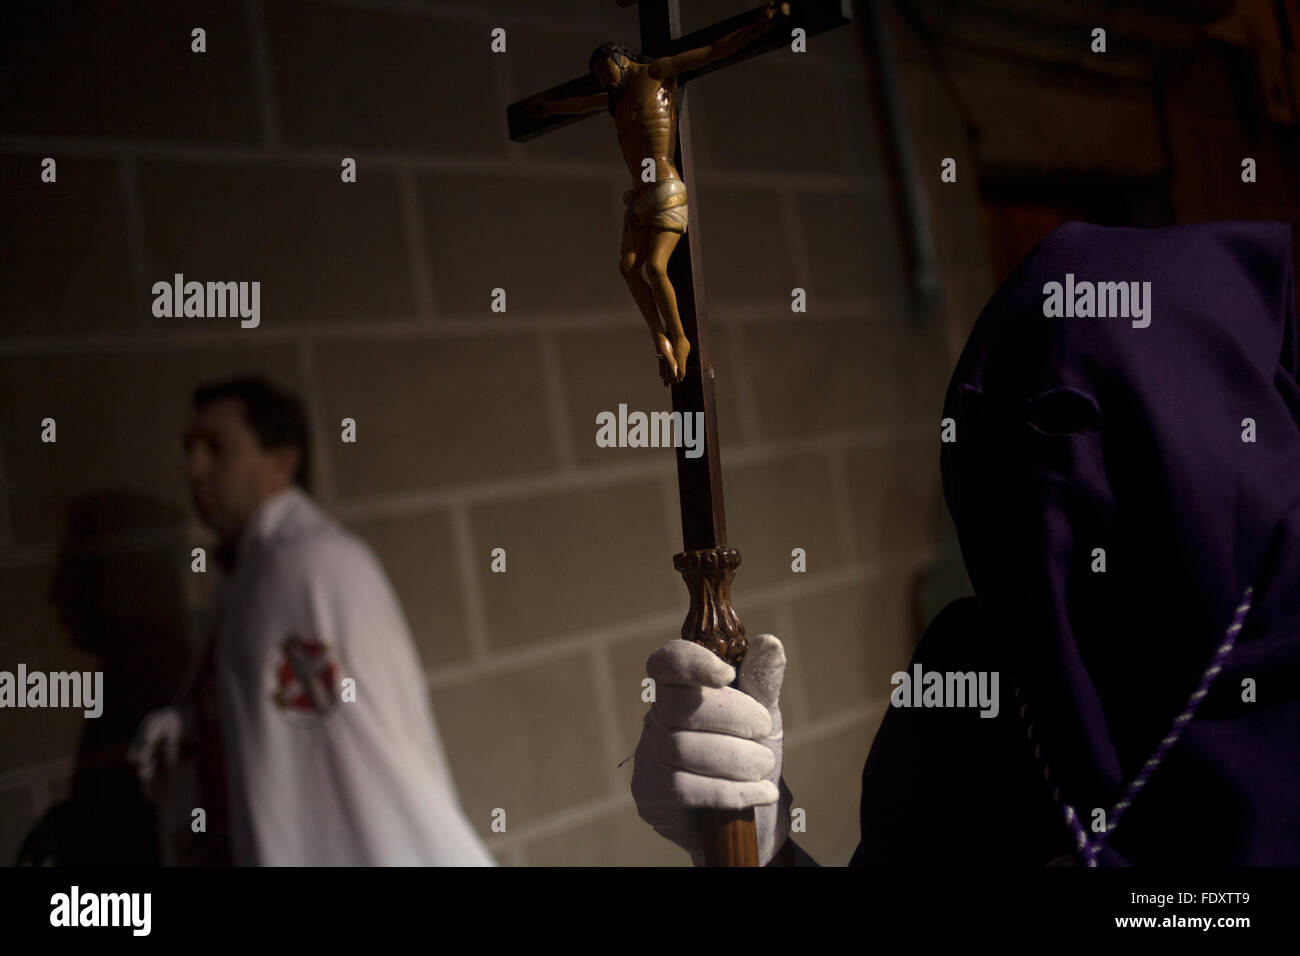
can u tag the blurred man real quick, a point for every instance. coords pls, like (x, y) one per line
(306, 713)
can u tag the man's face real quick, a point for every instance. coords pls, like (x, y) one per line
(610, 72)
(229, 473)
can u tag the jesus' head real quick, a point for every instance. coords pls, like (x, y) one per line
(610, 64)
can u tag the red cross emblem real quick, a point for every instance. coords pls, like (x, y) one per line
(305, 676)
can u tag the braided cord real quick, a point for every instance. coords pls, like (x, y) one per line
(1086, 847)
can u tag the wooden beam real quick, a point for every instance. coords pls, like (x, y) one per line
(814, 16)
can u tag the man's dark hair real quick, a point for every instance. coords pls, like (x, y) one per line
(614, 49)
(275, 416)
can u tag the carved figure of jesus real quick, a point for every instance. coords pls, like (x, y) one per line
(640, 92)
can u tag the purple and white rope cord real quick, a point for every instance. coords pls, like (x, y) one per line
(1089, 848)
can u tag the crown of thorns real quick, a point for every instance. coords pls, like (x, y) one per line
(613, 49)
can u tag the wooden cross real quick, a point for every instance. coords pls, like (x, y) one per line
(706, 563)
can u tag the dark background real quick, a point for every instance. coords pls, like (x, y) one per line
(476, 430)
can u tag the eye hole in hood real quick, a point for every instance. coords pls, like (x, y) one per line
(1063, 411)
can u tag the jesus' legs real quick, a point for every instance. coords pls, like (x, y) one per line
(632, 256)
(662, 244)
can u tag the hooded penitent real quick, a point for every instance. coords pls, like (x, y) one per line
(1125, 485)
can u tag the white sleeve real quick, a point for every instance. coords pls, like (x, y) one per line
(353, 769)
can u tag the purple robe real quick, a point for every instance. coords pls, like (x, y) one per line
(1168, 447)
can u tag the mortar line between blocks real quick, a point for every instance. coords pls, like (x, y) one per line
(602, 672)
(382, 328)
(482, 164)
(747, 400)
(784, 614)
(323, 463)
(840, 721)
(557, 403)
(416, 245)
(843, 96)
(268, 114)
(26, 776)
(44, 552)
(502, 77)
(475, 601)
(841, 503)
(563, 820)
(545, 652)
(518, 856)
(552, 649)
(41, 798)
(792, 229)
(571, 25)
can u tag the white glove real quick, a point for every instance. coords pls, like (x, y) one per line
(707, 744)
(158, 738)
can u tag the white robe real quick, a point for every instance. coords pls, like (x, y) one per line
(313, 778)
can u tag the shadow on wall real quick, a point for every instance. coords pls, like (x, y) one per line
(118, 589)
(943, 579)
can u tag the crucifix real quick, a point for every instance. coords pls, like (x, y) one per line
(645, 94)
